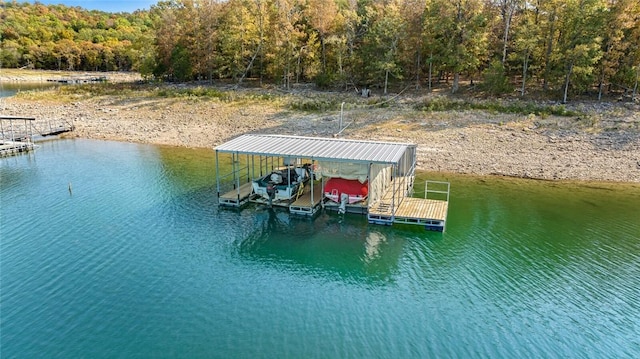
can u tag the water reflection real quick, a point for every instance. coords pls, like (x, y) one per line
(329, 245)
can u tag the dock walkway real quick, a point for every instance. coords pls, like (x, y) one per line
(17, 133)
(432, 213)
(237, 197)
(302, 204)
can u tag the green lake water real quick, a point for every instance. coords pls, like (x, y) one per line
(138, 261)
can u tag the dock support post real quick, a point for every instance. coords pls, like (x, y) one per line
(341, 113)
(217, 175)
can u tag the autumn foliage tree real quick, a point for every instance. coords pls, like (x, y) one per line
(563, 48)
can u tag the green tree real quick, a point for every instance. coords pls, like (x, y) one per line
(579, 43)
(622, 18)
(381, 42)
(461, 33)
(526, 38)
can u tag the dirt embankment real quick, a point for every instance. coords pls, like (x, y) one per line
(603, 146)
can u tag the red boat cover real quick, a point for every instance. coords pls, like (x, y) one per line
(350, 187)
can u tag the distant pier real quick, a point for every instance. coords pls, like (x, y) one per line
(79, 79)
(18, 133)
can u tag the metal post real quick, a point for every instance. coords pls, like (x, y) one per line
(313, 204)
(248, 174)
(217, 174)
(369, 187)
(236, 174)
(341, 115)
(393, 194)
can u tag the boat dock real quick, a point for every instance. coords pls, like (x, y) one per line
(384, 171)
(17, 133)
(78, 79)
(9, 148)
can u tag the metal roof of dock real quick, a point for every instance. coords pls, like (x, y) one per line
(319, 148)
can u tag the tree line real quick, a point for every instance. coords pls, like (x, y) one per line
(562, 47)
(57, 37)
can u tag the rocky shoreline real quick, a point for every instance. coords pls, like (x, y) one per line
(38, 76)
(607, 148)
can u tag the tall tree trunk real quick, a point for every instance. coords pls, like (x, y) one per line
(525, 66)
(246, 71)
(456, 82)
(430, 70)
(418, 69)
(635, 87)
(601, 84)
(324, 55)
(547, 56)
(386, 81)
(566, 82)
(505, 39)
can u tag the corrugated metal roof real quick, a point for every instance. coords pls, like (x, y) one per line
(318, 148)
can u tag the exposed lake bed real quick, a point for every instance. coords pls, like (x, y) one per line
(600, 143)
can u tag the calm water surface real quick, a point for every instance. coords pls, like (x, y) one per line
(8, 89)
(137, 261)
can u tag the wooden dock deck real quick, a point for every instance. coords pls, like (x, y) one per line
(355, 208)
(428, 212)
(431, 213)
(237, 197)
(9, 148)
(303, 204)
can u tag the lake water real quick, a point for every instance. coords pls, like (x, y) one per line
(8, 89)
(138, 261)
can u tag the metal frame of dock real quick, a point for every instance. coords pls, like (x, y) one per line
(16, 138)
(18, 134)
(390, 177)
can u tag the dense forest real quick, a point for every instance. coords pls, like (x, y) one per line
(562, 47)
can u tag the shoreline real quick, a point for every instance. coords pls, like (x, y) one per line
(17, 76)
(464, 142)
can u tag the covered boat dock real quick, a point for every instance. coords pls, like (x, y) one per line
(372, 178)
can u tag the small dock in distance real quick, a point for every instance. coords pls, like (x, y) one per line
(78, 79)
(17, 133)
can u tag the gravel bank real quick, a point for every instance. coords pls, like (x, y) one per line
(604, 147)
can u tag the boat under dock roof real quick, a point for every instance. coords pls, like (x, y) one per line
(323, 149)
(389, 168)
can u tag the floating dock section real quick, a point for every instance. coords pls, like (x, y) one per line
(17, 133)
(381, 176)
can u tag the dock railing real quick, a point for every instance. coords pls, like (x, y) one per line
(439, 190)
(52, 128)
